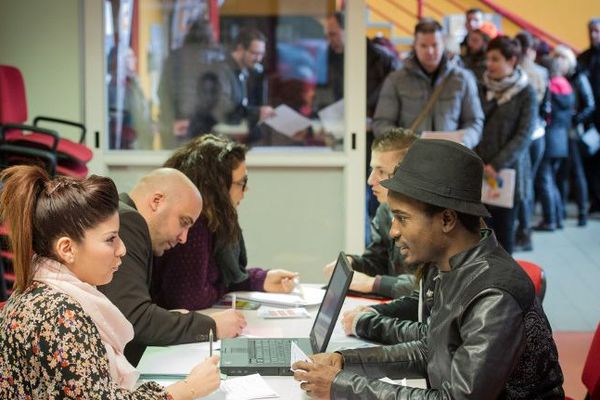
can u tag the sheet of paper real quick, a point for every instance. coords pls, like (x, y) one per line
(273, 313)
(247, 388)
(312, 296)
(399, 382)
(332, 118)
(500, 191)
(297, 354)
(173, 361)
(454, 136)
(287, 121)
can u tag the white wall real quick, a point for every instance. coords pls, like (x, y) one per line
(42, 39)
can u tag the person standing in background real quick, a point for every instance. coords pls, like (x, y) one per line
(589, 63)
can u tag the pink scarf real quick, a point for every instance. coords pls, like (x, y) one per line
(115, 330)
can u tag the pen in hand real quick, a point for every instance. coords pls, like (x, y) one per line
(233, 301)
(210, 342)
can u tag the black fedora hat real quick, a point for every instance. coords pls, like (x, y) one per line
(441, 173)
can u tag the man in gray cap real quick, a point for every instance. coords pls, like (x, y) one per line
(488, 336)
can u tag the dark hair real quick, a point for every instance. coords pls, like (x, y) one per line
(208, 162)
(474, 10)
(593, 21)
(395, 139)
(39, 210)
(200, 32)
(247, 36)
(339, 18)
(508, 47)
(472, 223)
(427, 25)
(525, 40)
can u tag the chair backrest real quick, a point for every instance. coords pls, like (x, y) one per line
(537, 276)
(591, 370)
(13, 101)
(71, 157)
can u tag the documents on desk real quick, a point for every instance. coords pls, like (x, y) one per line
(312, 297)
(247, 388)
(277, 313)
(287, 121)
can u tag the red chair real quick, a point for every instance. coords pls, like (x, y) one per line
(536, 274)
(591, 370)
(71, 156)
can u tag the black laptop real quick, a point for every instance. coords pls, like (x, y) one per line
(271, 356)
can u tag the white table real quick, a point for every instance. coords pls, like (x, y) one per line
(181, 359)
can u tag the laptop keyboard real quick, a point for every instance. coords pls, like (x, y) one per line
(269, 351)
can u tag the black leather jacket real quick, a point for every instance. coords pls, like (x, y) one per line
(488, 338)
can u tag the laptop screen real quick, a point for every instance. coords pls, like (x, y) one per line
(331, 305)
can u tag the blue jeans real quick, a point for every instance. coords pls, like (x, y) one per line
(536, 153)
(547, 187)
(574, 168)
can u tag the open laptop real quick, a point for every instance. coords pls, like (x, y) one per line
(271, 356)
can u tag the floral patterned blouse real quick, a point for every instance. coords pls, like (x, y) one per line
(51, 349)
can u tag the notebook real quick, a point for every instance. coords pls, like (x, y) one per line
(271, 356)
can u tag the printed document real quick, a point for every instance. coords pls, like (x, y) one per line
(287, 121)
(247, 388)
(499, 191)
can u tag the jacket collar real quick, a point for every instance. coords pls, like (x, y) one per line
(124, 197)
(413, 66)
(486, 245)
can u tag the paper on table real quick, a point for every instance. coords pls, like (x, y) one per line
(270, 312)
(297, 354)
(500, 191)
(332, 118)
(312, 296)
(173, 362)
(454, 136)
(247, 388)
(287, 121)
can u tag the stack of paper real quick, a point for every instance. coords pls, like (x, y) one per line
(312, 296)
(247, 388)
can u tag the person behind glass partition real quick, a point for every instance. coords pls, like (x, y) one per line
(178, 85)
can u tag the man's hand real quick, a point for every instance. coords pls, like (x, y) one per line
(489, 171)
(279, 281)
(328, 269)
(180, 127)
(265, 112)
(230, 323)
(316, 378)
(330, 359)
(362, 282)
(349, 316)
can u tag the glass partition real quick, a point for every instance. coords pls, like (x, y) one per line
(264, 72)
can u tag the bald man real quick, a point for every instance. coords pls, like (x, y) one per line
(156, 216)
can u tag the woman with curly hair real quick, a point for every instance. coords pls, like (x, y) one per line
(213, 262)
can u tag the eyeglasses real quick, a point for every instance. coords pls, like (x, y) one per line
(243, 183)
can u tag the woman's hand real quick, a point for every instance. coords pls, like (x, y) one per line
(280, 281)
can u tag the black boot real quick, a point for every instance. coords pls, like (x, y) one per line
(523, 241)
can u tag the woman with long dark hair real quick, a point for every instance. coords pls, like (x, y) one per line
(197, 274)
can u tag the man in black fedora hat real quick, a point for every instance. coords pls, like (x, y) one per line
(488, 336)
